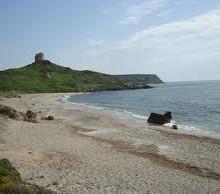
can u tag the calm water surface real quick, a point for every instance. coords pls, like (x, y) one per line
(195, 105)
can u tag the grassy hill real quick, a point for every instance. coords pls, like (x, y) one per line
(45, 76)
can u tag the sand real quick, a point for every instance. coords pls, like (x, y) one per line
(87, 150)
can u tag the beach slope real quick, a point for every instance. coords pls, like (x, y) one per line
(86, 150)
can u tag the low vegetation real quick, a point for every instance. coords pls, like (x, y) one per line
(11, 182)
(49, 77)
(9, 94)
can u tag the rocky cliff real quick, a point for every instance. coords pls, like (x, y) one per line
(141, 78)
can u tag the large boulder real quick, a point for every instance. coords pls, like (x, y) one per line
(168, 115)
(160, 119)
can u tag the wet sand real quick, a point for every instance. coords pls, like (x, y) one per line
(87, 150)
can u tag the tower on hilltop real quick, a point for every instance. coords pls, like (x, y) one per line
(39, 57)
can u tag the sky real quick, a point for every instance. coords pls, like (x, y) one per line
(179, 40)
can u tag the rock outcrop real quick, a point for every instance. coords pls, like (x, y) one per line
(141, 78)
(160, 119)
(10, 112)
(29, 116)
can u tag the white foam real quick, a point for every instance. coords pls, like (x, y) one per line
(94, 107)
(87, 105)
(197, 131)
(133, 114)
(139, 116)
(181, 127)
(65, 98)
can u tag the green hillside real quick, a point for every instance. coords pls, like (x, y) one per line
(45, 76)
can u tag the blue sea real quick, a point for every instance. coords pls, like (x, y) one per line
(195, 105)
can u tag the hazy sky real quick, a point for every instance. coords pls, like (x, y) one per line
(176, 39)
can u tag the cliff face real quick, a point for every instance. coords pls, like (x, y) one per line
(141, 78)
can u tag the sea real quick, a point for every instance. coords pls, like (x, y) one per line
(195, 106)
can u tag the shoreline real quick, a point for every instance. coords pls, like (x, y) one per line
(92, 151)
(140, 118)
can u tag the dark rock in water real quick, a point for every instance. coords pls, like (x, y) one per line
(168, 115)
(160, 119)
(174, 127)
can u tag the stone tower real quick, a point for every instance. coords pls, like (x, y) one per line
(39, 57)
